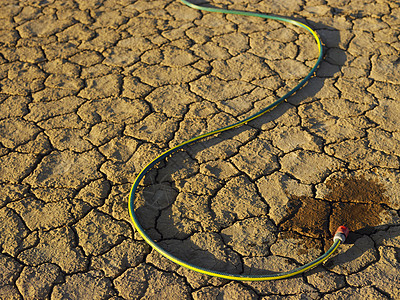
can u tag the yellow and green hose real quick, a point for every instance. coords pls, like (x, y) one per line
(340, 235)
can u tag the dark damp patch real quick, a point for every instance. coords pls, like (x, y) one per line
(311, 218)
(304, 243)
(355, 202)
(356, 190)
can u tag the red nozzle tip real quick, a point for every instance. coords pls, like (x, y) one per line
(344, 230)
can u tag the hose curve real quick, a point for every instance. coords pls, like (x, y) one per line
(143, 172)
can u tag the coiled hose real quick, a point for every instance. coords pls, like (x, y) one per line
(340, 235)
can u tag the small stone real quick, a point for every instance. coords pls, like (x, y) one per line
(37, 282)
(86, 286)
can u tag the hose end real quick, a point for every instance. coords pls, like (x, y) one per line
(341, 234)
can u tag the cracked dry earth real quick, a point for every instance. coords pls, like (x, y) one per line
(92, 90)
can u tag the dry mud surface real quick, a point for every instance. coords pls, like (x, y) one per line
(92, 90)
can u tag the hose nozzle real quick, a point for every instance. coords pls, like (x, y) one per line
(341, 234)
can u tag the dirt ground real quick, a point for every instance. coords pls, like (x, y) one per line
(92, 90)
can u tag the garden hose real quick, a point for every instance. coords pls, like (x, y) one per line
(340, 235)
